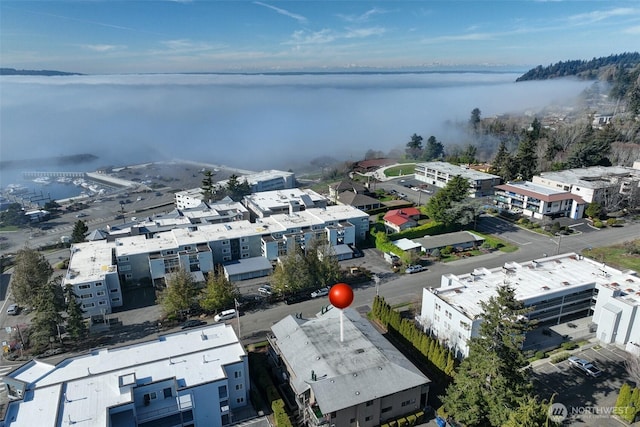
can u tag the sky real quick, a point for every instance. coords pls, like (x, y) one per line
(110, 37)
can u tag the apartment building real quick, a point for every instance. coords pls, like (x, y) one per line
(538, 201)
(93, 277)
(555, 288)
(260, 181)
(481, 184)
(598, 184)
(358, 380)
(289, 201)
(188, 378)
(246, 248)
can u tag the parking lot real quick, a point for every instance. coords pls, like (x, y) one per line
(588, 401)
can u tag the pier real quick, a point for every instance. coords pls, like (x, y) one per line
(30, 175)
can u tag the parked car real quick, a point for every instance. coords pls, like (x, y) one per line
(265, 290)
(322, 292)
(193, 323)
(13, 309)
(225, 315)
(585, 366)
(81, 215)
(414, 269)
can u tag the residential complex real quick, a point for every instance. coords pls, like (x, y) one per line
(538, 201)
(188, 378)
(244, 249)
(358, 380)
(261, 181)
(289, 201)
(556, 288)
(598, 184)
(440, 173)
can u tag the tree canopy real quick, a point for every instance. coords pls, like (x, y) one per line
(180, 294)
(439, 206)
(490, 383)
(79, 232)
(219, 294)
(31, 273)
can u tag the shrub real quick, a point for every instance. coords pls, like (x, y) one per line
(569, 345)
(539, 355)
(560, 357)
(598, 224)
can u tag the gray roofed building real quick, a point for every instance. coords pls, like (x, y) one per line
(358, 200)
(459, 239)
(362, 379)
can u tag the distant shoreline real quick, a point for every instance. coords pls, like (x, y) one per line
(48, 161)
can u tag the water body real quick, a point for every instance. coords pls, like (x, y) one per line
(252, 121)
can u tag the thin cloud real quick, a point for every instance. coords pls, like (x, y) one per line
(326, 35)
(101, 47)
(461, 37)
(363, 17)
(301, 19)
(186, 46)
(601, 15)
(632, 30)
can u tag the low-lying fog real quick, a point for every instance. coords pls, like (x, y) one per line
(250, 121)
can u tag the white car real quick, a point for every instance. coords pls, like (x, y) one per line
(414, 269)
(13, 309)
(585, 366)
(225, 315)
(320, 292)
(265, 290)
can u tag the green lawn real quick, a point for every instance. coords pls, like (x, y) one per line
(400, 170)
(623, 256)
(9, 228)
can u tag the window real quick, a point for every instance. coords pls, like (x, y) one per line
(100, 293)
(238, 374)
(238, 386)
(98, 284)
(387, 409)
(437, 306)
(116, 299)
(369, 403)
(85, 296)
(167, 392)
(114, 290)
(84, 286)
(368, 418)
(352, 421)
(148, 397)
(102, 302)
(225, 242)
(240, 400)
(222, 391)
(88, 305)
(128, 276)
(405, 403)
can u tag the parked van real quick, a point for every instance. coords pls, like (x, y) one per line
(225, 315)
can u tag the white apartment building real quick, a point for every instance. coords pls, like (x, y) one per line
(188, 378)
(593, 184)
(260, 181)
(440, 173)
(289, 201)
(554, 287)
(538, 201)
(360, 380)
(199, 248)
(93, 277)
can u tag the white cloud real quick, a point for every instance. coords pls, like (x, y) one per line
(187, 46)
(363, 17)
(101, 47)
(461, 37)
(301, 19)
(327, 35)
(601, 15)
(632, 30)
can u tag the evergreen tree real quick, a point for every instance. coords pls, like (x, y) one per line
(13, 215)
(291, 273)
(236, 189)
(322, 263)
(474, 121)
(526, 159)
(434, 149)
(592, 150)
(79, 232)
(47, 319)
(219, 293)
(207, 186)
(536, 129)
(531, 412)
(414, 147)
(76, 326)
(31, 272)
(490, 383)
(439, 207)
(180, 294)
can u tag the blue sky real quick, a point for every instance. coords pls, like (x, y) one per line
(195, 36)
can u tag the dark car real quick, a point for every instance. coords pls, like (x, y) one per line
(193, 323)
